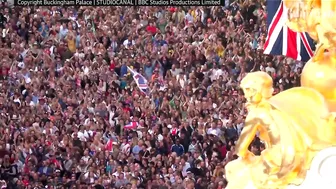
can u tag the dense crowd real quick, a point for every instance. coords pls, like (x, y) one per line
(67, 96)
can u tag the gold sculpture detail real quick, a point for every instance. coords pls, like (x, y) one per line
(320, 74)
(297, 123)
(294, 125)
(318, 18)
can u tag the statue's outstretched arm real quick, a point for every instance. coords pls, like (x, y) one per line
(247, 136)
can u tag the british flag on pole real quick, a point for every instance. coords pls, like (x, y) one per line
(283, 41)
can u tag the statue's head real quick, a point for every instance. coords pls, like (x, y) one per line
(257, 86)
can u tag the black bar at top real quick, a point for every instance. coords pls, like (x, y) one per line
(119, 2)
(180, 2)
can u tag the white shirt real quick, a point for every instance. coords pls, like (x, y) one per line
(17, 101)
(21, 65)
(196, 43)
(201, 13)
(126, 43)
(114, 45)
(185, 168)
(111, 121)
(86, 158)
(182, 80)
(192, 148)
(84, 135)
(189, 18)
(240, 128)
(4, 32)
(88, 119)
(73, 18)
(176, 71)
(216, 73)
(213, 131)
(19, 166)
(51, 130)
(86, 175)
(270, 69)
(86, 70)
(116, 174)
(31, 103)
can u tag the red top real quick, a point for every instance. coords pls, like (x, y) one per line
(112, 65)
(151, 29)
(172, 9)
(25, 182)
(4, 71)
(222, 150)
(127, 109)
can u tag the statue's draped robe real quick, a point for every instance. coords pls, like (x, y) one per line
(300, 116)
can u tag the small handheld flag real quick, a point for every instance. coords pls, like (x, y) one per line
(140, 80)
(131, 125)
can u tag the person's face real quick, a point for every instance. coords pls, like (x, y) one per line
(126, 169)
(121, 176)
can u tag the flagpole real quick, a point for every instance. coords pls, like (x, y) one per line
(131, 70)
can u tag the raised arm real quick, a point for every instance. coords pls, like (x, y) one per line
(247, 136)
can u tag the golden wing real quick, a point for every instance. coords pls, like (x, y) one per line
(305, 113)
(302, 128)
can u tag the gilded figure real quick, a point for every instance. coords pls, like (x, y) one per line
(294, 125)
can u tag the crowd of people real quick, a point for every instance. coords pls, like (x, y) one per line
(73, 116)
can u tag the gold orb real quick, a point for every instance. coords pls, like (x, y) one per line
(321, 75)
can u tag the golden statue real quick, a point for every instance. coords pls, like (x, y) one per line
(320, 74)
(317, 17)
(294, 125)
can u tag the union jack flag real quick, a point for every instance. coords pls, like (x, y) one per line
(141, 81)
(109, 145)
(131, 125)
(283, 41)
